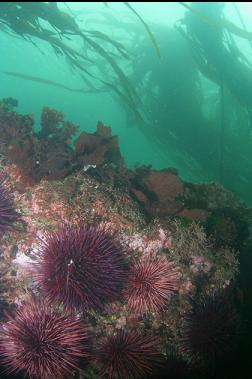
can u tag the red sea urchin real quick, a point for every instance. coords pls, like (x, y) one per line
(42, 342)
(151, 283)
(82, 267)
(210, 330)
(127, 355)
(8, 214)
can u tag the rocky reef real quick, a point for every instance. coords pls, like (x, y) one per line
(141, 269)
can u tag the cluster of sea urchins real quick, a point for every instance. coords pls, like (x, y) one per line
(85, 267)
(82, 268)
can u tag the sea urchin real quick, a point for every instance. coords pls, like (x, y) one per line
(151, 283)
(8, 214)
(127, 355)
(42, 342)
(81, 267)
(210, 330)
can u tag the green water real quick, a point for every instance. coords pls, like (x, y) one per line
(200, 126)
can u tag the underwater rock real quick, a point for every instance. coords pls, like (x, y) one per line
(163, 194)
(210, 196)
(227, 219)
(194, 214)
(86, 199)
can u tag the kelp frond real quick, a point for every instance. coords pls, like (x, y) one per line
(118, 46)
(223, 23)
(146, 26)
(49, 82)
(153, 40)
(26, 20)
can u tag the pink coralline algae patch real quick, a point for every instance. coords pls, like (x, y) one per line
(47, 205)
(23, 265)
(146, 244)
(186, 287)
(200, 264)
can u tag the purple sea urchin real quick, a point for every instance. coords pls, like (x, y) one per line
(82, 267)
(127, 355)
(152, 281)
(42, 342)
(210, 329)
(8, 214)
